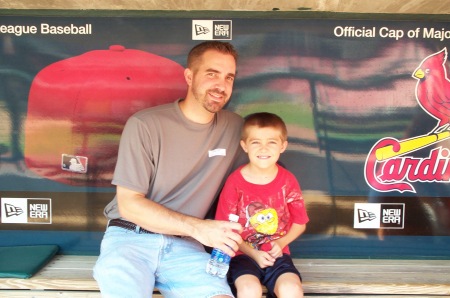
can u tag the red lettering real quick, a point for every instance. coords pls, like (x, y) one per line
(393, 170)
(391, 174)
(373, 174)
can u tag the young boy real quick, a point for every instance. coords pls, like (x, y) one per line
(271, 209)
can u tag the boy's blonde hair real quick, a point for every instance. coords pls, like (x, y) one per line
(264, 119)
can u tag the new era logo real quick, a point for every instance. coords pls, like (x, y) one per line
(211, 30)
(11, 210)
(26, 211)
(199, 30)
(379, 216)
(364, 215)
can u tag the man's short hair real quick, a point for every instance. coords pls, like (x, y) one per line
(220, 46)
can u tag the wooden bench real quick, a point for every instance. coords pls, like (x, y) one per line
(71, 276)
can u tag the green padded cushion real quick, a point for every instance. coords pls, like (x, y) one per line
(24, 261)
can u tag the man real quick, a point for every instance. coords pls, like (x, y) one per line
(171, 165)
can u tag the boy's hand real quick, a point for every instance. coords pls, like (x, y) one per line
(276, 250)
(263, 258)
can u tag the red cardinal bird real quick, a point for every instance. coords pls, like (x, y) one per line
(433, 88)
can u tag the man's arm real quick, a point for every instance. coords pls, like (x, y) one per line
(135, 207)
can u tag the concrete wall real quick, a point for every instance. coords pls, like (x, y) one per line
(351, 6)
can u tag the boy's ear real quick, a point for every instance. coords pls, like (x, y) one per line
(284, 146)
(244, 146)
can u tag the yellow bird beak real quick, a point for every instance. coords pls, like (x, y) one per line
(419, 73)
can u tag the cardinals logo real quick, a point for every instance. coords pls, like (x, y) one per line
(433, 89)
(386, 167)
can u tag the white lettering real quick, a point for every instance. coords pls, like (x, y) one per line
(72, 29)
(390, 33)
(18, 30)
(350, 31)
(433, 33)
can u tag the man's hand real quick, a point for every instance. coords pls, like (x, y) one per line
(135, 207)
(219, 234)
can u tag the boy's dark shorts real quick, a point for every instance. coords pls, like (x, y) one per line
(243, 264)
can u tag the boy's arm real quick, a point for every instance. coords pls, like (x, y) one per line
(294, 232)
(266, 259)
(262, 258)
(227, 201)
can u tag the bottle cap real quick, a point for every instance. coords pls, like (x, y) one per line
(233, 217)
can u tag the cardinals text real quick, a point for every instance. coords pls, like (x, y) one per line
(394, 174)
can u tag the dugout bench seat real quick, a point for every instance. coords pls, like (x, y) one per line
(71, 276)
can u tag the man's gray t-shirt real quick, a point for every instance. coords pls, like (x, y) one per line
(174, 161)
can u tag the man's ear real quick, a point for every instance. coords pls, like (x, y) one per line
(188, 76)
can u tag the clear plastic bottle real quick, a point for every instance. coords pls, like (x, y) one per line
(219, 262)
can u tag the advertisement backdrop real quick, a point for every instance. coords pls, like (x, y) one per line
(367, 104)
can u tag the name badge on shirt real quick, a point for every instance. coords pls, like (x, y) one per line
(217, 152)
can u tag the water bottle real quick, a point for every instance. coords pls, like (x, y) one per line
(219, 262)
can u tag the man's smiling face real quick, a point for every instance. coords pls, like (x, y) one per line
(212, 80)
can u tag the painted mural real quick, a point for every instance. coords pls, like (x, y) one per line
(367, 104)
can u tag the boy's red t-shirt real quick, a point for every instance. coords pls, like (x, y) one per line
(267, 211)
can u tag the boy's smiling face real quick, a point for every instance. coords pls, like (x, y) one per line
(263, 145)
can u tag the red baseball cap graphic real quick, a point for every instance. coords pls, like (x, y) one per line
(78, 107)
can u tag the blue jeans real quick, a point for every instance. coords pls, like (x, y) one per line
(132, 264)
